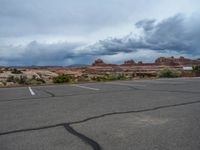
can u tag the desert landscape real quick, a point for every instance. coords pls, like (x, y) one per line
(100, 71)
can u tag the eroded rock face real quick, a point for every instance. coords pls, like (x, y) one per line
(175, 61)
(129, 62)
(99, 62)
(140, 62)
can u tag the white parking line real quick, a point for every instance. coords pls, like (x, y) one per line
(31, 91)
(125, 84)
(165, 82)
(85, 87)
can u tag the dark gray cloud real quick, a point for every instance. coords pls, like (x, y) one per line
(178, 33)
(175, 35)
(146, 24)
(36, 53)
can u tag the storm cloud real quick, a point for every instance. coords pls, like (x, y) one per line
(66, 32)
(40, 54)
(178, 33)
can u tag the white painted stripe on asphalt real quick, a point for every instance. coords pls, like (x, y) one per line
(86, 87)
(165, 82)
(31, 91)
(125, 84)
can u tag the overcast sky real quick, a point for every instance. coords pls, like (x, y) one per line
(67, 32)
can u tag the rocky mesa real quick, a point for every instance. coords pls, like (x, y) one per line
(99, 70)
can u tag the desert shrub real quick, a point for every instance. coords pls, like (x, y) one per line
(1, 71)
(40, 80)
(61, 79)
(196, 69)
(19, 80)
(83, 79)
(4, 83)
(22, 80)
(169, 73)
(11, 79)
(116, 77)
(121, 77)
(110, 77)
(15, 71)
(6, 69)
(98, 78)
(35, 81)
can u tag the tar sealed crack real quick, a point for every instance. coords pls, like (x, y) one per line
(87, 140)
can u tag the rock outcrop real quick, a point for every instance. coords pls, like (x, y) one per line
(99, 62)
(171, 61)
(130, 62)
(140, 62)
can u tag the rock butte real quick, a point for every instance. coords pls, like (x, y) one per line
(99, 68)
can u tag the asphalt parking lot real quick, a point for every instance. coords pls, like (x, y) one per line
(122, 115)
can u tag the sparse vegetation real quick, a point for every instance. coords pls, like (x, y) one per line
(116, 77)
(110, 77)
(35, 81)
(10, 79)
(4, 83)
(6, 69)
(169, 73)
(81, 79)
(99, 72)
(196, 69)
(19, 80)
(98, 78)
(24, 80)
(61, 79)
(15, 71)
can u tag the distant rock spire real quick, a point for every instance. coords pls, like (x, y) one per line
(99, 62)
(129, 62)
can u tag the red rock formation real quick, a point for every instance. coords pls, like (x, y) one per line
(130, 62)
(140, 62)
(99, 62)
(171, 61)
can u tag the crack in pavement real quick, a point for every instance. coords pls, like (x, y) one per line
(30, 129)
(86, 139)
(67, 126)
(135, 111)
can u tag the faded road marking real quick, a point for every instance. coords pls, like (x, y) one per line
(125, 84)
(31, 91)
(86, 87)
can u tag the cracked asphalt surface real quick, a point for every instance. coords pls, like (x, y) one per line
(121, 115)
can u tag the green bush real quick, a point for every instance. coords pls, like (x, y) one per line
(196, 69)
(15, 71)
(98, 78)
(61, 79)
(116, 77)
(1, 71)
(110, 77)
(35, 81)
(20, 80)
(82, 79)
(169, 73)
(10, 79)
